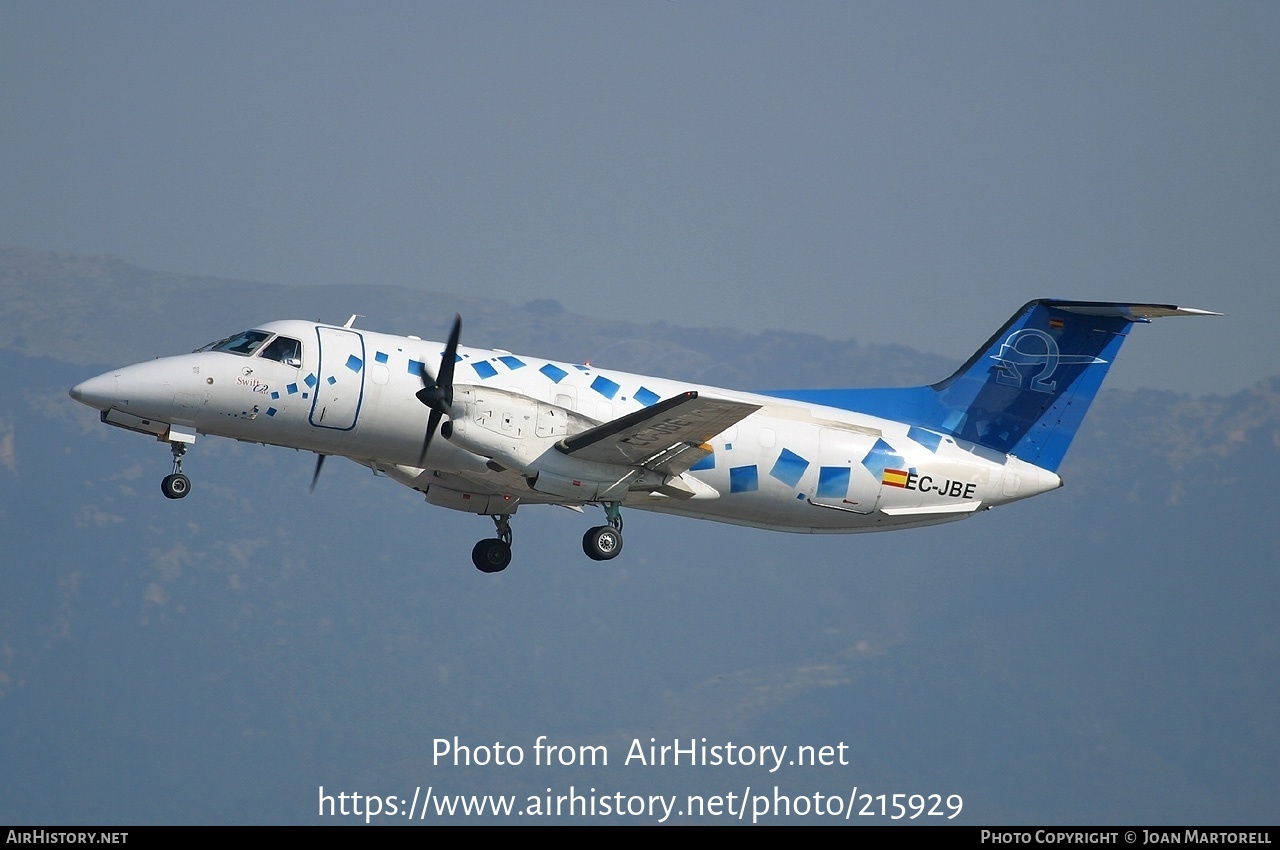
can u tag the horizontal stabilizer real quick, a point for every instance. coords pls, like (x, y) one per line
(1132, 312)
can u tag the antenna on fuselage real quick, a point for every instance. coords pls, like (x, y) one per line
(352, 320)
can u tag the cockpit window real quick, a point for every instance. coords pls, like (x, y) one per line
(242, 343)
(285, 350)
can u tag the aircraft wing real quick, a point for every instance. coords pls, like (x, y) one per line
(667, 437)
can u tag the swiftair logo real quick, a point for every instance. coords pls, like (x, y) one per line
(1029, 357)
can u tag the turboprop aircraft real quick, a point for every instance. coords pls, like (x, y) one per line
(487, 432)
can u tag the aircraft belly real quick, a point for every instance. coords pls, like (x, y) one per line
(850, 523)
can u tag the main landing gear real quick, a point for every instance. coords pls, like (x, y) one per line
(176, 485)
(604, 542)
(493, 554)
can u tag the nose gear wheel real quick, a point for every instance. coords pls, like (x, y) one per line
(176, 485)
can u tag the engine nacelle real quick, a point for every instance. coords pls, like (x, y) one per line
(511, 429)
(569, 477)
(475, 503)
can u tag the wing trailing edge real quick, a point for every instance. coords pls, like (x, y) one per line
(667, 437)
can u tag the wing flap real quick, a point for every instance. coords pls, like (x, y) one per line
(667, 437)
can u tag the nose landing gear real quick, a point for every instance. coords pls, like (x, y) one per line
(176, 485)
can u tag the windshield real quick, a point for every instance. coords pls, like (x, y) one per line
(244, 343)
(283, 349)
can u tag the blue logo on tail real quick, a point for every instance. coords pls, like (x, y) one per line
(1030, 348)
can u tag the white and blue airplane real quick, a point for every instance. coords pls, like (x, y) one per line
(517, 430)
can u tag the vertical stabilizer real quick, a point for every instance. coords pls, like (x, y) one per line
(1026, 391)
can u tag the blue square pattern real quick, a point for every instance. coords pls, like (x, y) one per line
(554, 372)
(646, 396)
(354, 363)
(789, 467)
(929, 439)
(882, 457)
(512, 362)
(605, 387)
(310, 380)
(484, 369)
(708, 462)
(381, 357)
(744, 479)
(332, 380)
(833, 482)
(292, 388)
(415, 367)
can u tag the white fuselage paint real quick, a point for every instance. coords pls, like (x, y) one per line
(766, 471)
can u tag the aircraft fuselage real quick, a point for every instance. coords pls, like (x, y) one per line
(789, 466)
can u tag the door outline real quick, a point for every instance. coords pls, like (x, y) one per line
(340, 377)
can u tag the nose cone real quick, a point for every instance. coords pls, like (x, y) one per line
(100, 392)
(143, 389)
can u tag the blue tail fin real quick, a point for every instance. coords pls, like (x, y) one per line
(1026, 390)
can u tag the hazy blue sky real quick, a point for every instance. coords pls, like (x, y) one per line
(894, 172)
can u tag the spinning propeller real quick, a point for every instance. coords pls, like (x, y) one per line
(437, 392)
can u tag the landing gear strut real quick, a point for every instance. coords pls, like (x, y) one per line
(604, 542)
(493, 554)
(176, 485)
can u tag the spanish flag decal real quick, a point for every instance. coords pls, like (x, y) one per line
(895, 478)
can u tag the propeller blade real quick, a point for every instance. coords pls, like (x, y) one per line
(428, 379)
(433, 422)
(437, 391)
(315, 476)
(448, 359)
